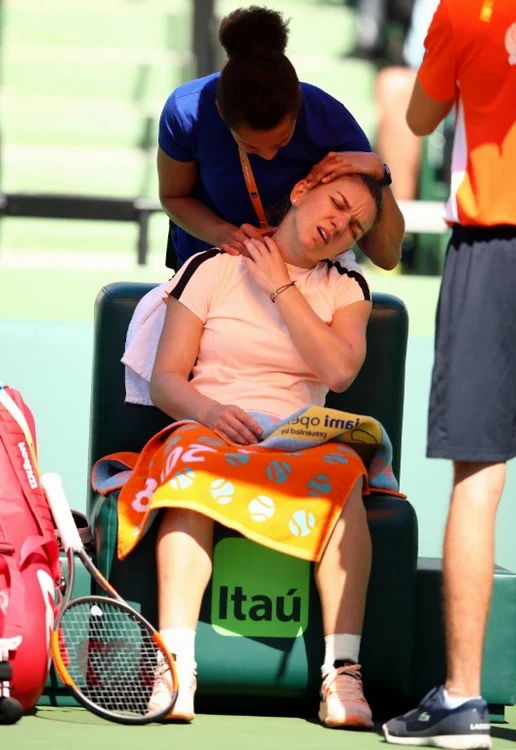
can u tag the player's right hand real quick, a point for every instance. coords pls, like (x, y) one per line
(233, 241)
(234, 423)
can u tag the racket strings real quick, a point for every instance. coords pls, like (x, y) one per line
(110, 656)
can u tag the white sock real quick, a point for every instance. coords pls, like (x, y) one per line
(181, 643)
(454, 701)
(340, 646)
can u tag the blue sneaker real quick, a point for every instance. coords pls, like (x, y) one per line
(432, 724)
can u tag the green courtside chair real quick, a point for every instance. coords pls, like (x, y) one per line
(278, 656)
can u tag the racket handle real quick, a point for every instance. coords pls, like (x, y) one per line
(53, 486)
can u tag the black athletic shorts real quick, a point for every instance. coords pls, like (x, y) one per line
(472, 414)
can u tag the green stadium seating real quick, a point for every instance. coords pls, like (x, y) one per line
(32, 28)
(83, 87)
(126, 80)
(84, 83)
(60, 121)
(330, 28)
(115, 172)
(350, 81)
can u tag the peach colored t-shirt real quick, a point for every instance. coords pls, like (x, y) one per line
(246, 356)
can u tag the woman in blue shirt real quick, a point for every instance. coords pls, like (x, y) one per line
(233, 144)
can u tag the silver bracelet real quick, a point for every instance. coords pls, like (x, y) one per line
(280, 289)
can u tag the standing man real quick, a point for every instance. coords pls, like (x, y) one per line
(470, 61)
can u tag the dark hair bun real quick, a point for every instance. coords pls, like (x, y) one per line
(254, 32)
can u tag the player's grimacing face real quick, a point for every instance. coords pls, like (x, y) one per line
(331, 217)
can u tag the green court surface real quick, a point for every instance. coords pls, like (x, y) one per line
(73, 727)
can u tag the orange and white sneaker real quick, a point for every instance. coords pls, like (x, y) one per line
(183, 708)
(342, 698)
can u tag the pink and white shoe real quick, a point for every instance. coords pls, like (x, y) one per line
(183, 708)
(342, 698)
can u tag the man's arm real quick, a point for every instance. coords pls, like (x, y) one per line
(435, 87)
(425, 113)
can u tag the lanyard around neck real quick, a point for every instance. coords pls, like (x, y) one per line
(252, 188)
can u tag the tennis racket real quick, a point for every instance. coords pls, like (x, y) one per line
(105, 652)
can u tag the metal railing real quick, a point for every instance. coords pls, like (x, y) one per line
(89, 208)
(420, 216)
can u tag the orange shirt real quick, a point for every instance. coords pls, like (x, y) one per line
(471, 57)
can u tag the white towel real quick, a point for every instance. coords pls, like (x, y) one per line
(141, 344)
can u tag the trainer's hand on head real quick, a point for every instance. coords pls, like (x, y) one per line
(266, 264)
(339, 163)
(234, 423)
(233, 241)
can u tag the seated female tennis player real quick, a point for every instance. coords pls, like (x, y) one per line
(271, 333)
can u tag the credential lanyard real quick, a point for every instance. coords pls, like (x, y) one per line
(252, 188)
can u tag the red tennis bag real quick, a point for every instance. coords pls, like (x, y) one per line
(29, 557)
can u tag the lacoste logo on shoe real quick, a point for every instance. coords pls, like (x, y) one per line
(424, 717)
(479, 726)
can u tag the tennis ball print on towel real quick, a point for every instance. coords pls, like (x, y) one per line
(278, 471)
(319, 485)
(222, 491)
(261, 508)
(359, 435)
(182, 479)
(301, 523)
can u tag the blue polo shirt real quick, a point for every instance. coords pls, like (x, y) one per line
(191, 129)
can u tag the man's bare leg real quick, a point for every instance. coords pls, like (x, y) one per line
(468, 563)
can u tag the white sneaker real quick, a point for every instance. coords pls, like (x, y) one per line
(183, 708)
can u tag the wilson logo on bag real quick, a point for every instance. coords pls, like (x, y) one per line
(29, 554)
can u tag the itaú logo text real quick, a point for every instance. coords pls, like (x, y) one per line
(259, 607)
(27, 466)
(257, 592)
